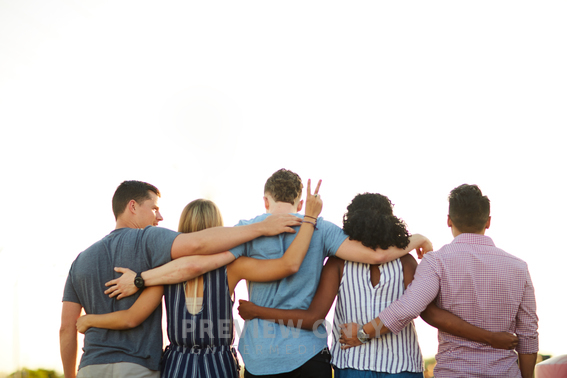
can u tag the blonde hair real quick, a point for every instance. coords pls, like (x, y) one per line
(198, 215)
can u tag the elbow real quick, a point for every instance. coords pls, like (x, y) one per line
(191, 270)
(379, 257)
(131, 323)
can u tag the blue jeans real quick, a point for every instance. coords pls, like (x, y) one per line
(353, 373)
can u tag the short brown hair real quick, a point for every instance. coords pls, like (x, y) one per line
(198, 215)
(284, 186)
(131, 190)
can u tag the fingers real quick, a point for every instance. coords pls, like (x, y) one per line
(120, 270)
(318, 186)
(110, 283)
(308, 187)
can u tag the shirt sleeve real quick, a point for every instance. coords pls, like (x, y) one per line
(69, 293)
(422, 291)
(527, 320)
(158, 245)
(240, 250)
(333, 236)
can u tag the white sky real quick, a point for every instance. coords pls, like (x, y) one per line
(408, 99)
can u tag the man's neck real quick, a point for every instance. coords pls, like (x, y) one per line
(282, 208)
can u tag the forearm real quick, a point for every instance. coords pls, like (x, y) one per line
(447, 322)
(299, 318)
(185, 268)
(117, 320)
(527, 364)
(68, 350)
(293, 257)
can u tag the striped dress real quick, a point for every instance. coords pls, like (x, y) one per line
(360, 302)
(201, 344)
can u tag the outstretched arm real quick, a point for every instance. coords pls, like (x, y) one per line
(275, 269)
(68, 337)
(436, 317)
(306, 319)
(189, 267)
(353, 250)
(148, 301)
(176, 271)
(219, 239)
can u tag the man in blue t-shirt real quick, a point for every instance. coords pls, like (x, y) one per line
(267, 348)
(136, 243)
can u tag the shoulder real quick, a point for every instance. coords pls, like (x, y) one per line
(408, 261)
(256, 219)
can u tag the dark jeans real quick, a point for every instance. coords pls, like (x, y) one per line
(317, 367)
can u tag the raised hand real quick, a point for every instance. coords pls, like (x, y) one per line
(313, 202)
(122, 286)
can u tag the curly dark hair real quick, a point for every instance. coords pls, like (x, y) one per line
(370, 220)
(284, 186)
(468, 208)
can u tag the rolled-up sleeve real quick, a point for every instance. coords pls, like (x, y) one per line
(422, 291)
(527, 320)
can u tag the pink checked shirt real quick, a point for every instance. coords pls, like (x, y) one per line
(484, 286)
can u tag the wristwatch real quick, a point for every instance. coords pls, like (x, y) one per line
(362, 336)
(139, 281)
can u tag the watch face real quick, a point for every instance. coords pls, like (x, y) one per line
(139, 282)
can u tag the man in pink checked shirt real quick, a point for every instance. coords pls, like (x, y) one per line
(476, 281)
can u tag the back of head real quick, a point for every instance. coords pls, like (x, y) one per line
(131, 190)
(370, 220)
(469, 210)
(284, 186)
(199, 215)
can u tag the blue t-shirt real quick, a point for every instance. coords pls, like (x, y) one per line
(271, 348)
(139, 250)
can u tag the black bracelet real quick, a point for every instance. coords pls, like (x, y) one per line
(309, 216)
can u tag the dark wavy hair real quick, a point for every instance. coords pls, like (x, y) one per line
(370, 220)
(284, 186)
(468, 208)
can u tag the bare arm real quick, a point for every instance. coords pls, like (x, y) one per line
(219, 239)
(527, 364)
(68, 337)
(275, 269)
(148, 301)
(176, 271)
(353, 250)
(306, 319)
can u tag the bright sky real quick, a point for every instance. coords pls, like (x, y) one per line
(408, 99)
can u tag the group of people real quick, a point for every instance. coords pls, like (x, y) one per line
(479, 297)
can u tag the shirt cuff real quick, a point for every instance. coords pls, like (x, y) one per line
(527, 345)
(391, 321)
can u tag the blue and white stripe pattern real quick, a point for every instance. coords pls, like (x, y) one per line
(201, 344)
(360, 302)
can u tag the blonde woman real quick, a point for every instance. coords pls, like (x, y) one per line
(199, 309)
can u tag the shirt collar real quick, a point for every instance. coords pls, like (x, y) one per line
(474, 239)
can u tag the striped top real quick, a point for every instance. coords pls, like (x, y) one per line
(200, 344)
(358, 301)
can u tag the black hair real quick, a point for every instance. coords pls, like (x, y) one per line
(370, 220)
(469, 210)
(131, 190)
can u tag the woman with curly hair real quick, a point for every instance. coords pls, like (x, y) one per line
(363, 290)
